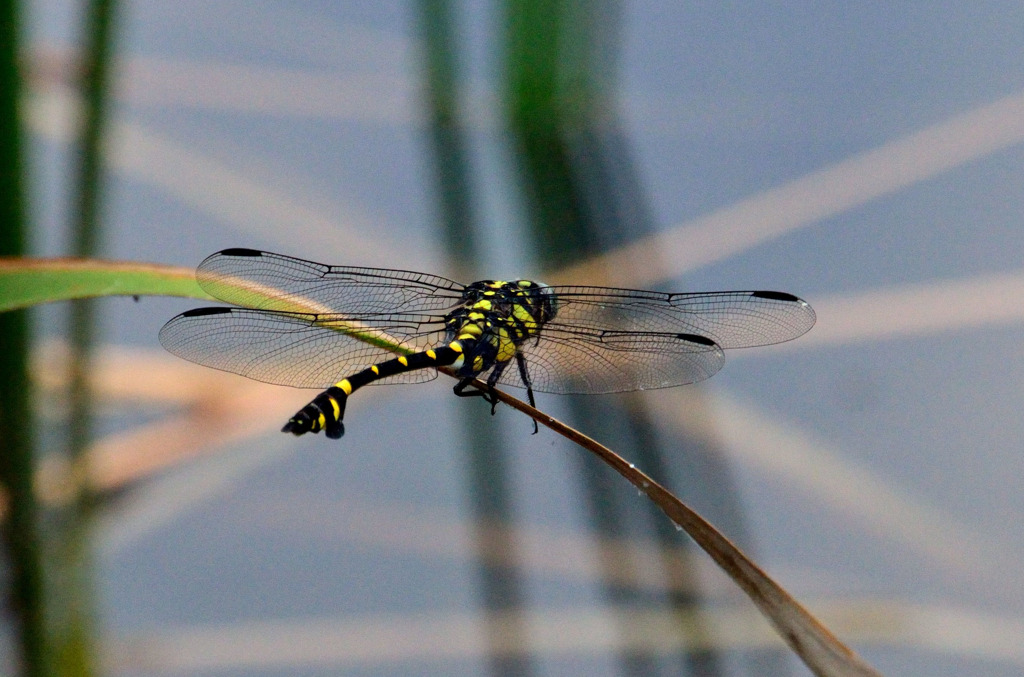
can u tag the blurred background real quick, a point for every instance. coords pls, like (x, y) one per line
(867, 158)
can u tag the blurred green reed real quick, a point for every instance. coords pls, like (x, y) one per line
(21, 534)
(48, 549)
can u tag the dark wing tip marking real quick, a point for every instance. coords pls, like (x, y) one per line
(239, 251)
(776, 296)
(198, 312)
(696, 338)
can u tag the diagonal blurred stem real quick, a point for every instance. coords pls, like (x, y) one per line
(820, 650)
(21, 525)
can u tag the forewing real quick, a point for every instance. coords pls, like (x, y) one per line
(732, 319)
(293, 349)
(588, 361)
(267, 281)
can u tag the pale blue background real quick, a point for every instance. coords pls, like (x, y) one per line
(720, 102)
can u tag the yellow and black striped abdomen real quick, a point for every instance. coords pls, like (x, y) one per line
(327, 409)
(483, 335)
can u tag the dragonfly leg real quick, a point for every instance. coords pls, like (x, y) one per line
(492, 380)
(525, 376)
(465, 388)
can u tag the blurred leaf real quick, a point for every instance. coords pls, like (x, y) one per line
(28, 282)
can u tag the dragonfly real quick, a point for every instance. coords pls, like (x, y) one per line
(338, 328)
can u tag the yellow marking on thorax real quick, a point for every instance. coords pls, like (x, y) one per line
(483, 304)
(522, 314)
(456, 346)
(506, 346)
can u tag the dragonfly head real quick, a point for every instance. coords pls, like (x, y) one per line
(543, 304)
(534, 298)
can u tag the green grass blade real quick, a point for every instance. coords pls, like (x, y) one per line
(29, 282)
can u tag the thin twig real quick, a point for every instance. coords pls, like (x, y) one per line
(819, 649)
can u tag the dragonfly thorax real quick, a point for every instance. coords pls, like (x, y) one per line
(525, 299)
(494, 319)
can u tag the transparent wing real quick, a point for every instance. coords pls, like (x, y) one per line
(614, 340)
(266, 281)
(308, 324)
(732, 319)
(591, 361)
(295, 349)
